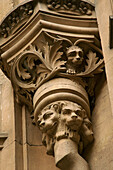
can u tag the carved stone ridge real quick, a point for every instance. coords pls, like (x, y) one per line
(3, 137)
(16, 16)
(76, 7)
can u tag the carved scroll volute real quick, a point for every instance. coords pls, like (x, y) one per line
(63, 115)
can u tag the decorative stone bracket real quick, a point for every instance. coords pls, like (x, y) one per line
(53, 67)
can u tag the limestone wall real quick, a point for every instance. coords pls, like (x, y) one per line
(7, 5)
(99, 154)
(23, 149)
(7, 124)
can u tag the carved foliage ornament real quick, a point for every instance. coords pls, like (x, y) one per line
(77, 7)
(36, 66)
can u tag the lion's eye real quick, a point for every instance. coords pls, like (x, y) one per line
(80, 53)
(88, 125)
(47, 115)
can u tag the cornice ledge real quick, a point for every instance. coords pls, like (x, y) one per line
(41, 24)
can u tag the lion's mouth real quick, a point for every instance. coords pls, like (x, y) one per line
(53, 127)
(54, 124)
(74, 125)
(76, 61)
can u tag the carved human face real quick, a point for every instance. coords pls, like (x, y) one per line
(73, 114)
(48, 121)
(75, 55)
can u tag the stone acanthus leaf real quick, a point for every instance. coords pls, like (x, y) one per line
(52, 58)
(93, 65)
(31, 62)
(23, 73)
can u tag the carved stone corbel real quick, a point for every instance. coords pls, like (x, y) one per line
(63, 115)
(52, 73)
(54, 80)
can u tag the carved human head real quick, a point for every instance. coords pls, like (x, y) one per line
(72, 114)
(75, 55)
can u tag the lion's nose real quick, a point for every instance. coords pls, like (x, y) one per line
(42, 123)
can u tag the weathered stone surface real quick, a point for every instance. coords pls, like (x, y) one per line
(5, 7)
(65, 139)
(39, 159)
(104, 29)
(100, 154)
